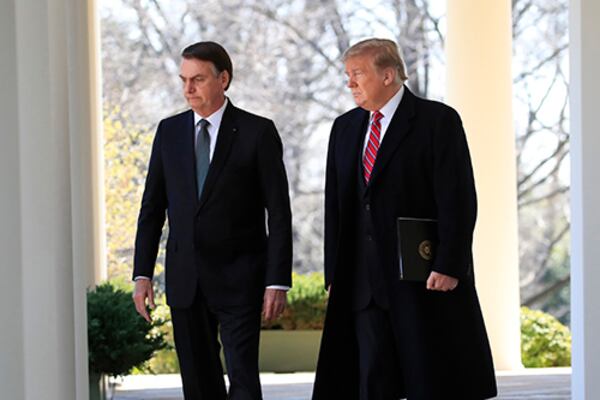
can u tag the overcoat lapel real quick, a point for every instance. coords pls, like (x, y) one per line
(225, 138)
(350, 149)
(399, 127)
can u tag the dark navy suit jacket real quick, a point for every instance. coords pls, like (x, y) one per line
(220, 240)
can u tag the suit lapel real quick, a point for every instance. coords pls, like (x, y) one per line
(225, 138)
(184, 145)
(399, 127)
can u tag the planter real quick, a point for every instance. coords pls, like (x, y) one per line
(289, 351)
(97, 386)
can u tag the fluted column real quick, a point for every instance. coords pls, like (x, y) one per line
(50, 236)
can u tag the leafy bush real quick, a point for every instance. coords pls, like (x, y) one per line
(545, 342)
(119, 339)
(307, 303)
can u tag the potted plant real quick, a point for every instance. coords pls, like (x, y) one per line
(118, 338)
(291, 343)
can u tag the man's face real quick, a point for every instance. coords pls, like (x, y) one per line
(203, 88)
(366, 83)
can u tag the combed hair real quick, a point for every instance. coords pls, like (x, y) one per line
(385, 54)
(211, 52)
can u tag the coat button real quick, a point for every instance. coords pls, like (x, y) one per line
(368, 207)
(369, 238)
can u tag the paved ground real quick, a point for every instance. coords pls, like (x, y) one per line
(533, 384)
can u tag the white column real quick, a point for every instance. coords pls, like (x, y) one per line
(49, 238)
(585, 198)
(479, 52)
(86, 168)
(11, 304)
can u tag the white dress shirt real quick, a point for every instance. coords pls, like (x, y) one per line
(387, 111)
(214, 123)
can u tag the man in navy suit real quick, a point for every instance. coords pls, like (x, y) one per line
(398, 155)
(217, 172)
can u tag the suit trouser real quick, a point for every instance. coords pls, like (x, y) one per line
(195, 331)
(379, 372)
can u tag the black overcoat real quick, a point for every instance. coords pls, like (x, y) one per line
(423, 169)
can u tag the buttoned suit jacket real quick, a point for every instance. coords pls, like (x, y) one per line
(220, 239)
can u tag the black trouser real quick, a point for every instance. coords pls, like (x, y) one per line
(379, 373)
(195, 332)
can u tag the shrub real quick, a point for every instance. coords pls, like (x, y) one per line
(118, 338)
(545, 342)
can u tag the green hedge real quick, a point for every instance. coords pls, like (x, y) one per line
(545, 342)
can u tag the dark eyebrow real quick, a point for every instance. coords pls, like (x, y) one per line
(193, 77)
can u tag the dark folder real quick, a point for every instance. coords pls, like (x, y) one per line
(417, 242)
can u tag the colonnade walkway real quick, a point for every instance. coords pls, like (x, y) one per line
(530, 384)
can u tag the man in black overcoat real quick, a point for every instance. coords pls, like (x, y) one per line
(398, 155)
(217, 171)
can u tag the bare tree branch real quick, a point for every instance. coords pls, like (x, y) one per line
(547, 196)
(543, 62)
(546, 292)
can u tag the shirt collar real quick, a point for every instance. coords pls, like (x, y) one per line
(215, 118)
(390, 107)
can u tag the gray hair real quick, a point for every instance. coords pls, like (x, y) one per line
(385, 54)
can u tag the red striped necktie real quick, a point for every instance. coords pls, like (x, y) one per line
(372, 146)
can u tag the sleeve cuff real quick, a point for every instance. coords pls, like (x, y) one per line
(279, 287)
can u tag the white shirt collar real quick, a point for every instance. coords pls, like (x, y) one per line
(388, 111)
(215, 118)
(213, 129)
(390, 107)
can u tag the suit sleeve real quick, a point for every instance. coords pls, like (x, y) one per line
(331, 212)
(275, 192)
(152, 213)
(455, 197)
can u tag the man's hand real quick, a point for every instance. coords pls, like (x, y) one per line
(143, 290)
(441, 282)
(273, 303)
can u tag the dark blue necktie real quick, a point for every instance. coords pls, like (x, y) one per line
(202, 154)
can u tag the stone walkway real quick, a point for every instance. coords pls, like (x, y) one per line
(530, 384)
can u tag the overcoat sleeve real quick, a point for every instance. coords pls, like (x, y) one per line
(455, 197)
(331, 211)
